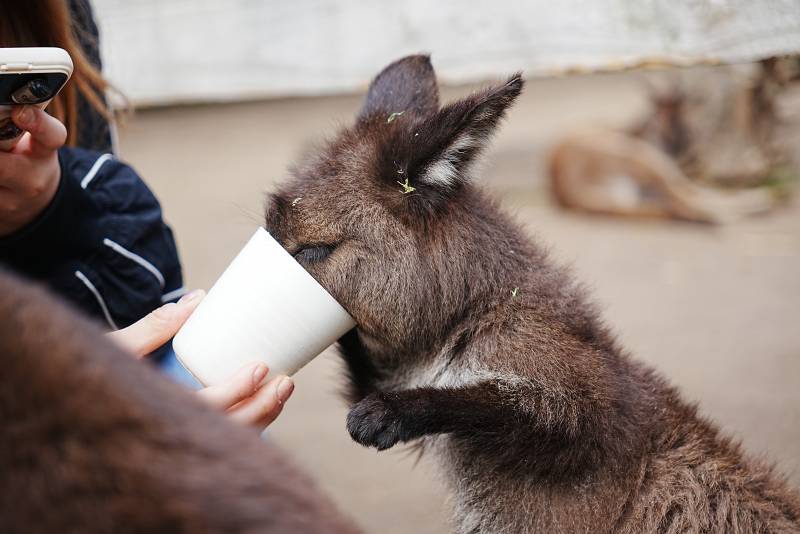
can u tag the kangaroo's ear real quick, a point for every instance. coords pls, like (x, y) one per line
(453, 139)
(406, 86)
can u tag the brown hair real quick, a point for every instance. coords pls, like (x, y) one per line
(49, 23)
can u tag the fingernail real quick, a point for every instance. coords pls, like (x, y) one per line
(259, 373)
(285, 388)
(191, 296)
(25, 115)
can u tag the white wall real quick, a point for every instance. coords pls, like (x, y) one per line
(161, 51)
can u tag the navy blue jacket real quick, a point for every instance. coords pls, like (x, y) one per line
(101, 243)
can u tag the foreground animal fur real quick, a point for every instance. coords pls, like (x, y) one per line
(473, 344)
(92, 441)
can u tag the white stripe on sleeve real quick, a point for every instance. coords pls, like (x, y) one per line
(119, 249)
(91, 287)
(172, 295)
(93, 171)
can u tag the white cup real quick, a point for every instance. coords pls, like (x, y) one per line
(264, 307)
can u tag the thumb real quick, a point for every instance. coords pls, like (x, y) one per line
(47, 133)
(159, 326)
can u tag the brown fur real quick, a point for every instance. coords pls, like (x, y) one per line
(92, 441)
(708, 127)
(473, 344)
(611, 173)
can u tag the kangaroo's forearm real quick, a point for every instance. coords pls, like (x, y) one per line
(431, 410)
(385, 418)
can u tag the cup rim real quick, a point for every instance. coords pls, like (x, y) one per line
(262, 230)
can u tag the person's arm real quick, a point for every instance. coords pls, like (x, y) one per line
(133, 260)
(91, 230)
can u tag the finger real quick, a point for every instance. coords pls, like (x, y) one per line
(159, 326)
(262, 424)
(262, 408)
(47, 132)
(284, 391)
(237, 388)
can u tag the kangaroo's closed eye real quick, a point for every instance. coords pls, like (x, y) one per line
(313, 254)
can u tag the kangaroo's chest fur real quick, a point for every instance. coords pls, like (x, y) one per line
(523, 452)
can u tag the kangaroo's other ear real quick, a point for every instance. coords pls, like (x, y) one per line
(454, 138)
(406, 86)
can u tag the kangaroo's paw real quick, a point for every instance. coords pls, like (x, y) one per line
(373, 422)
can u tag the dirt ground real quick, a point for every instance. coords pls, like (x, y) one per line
(715, 309)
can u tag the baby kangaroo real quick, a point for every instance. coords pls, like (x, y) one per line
(472, 343)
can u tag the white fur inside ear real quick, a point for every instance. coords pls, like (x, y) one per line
(441, 173)
(445, 171)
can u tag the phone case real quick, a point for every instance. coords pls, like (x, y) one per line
(16, 61)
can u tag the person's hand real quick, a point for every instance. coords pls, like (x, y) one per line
(242, 397)
(30, 173)
(157, 327)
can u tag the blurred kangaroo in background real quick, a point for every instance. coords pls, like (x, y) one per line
(472, 342)
(92, 441)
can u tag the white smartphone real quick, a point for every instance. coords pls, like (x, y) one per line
(29, 76)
